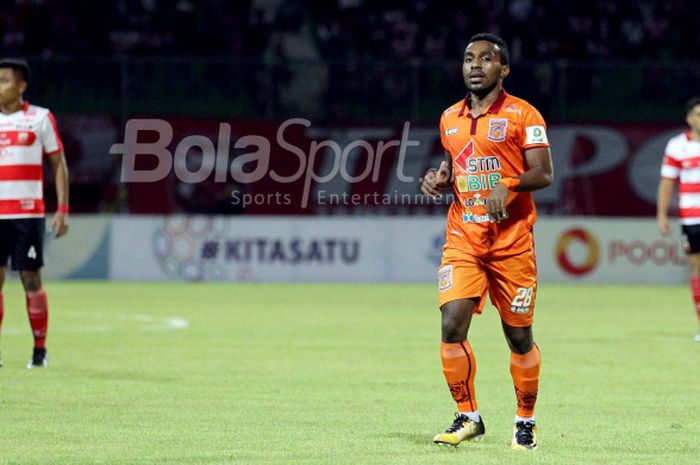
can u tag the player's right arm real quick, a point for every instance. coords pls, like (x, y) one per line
(436, 181)
(663, 201)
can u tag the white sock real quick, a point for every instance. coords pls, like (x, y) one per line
(473, 416)
(526, 419)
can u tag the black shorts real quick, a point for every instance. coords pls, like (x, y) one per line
(691, 238)
(23, 240)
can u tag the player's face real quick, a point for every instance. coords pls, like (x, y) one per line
(482, 68)
(11, 87)
(693, 118)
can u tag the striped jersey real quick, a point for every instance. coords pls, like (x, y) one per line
(26, 136)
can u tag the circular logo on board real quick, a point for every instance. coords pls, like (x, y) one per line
(578, 237)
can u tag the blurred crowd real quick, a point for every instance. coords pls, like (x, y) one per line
(535, 29)
(48, 27)
(342, 29)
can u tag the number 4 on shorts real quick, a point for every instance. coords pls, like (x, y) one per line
(32, 253)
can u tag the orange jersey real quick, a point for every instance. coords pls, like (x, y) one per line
(485, 150)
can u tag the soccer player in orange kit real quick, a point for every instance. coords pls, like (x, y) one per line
(497, 153)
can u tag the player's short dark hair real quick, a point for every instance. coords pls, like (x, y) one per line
(692, 103)
(18, 65)
(494, 39)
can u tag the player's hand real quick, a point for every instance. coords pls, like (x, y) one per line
(664, 226)
(496, 202)
(59, 225)
(434, 182)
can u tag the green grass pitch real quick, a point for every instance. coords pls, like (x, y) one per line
(339, 374)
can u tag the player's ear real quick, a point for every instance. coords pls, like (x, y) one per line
(21, 86)
(505, 71)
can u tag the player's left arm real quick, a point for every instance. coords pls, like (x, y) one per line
(539, 175)
(59, 225)
(540, 170)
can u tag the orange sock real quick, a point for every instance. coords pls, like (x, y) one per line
(525, 370)
(459, 367)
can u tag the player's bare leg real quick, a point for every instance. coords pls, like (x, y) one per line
(694, 264)
(525, 370)
(38, 311)
(459, 367)
(31, 280)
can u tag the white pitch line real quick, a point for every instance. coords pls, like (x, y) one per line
(153, 323)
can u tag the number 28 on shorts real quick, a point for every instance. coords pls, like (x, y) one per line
(522, 300)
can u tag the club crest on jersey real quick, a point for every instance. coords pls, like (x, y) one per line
(451, 131)
(497, 129)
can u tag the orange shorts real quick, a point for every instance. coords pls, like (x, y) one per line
(511, 283)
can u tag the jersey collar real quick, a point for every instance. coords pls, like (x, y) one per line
(493, 109)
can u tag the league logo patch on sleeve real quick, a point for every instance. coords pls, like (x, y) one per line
(497, 129)
(535, 135)
(445, 278)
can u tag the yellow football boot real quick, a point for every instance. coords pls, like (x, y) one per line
(462, 429)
